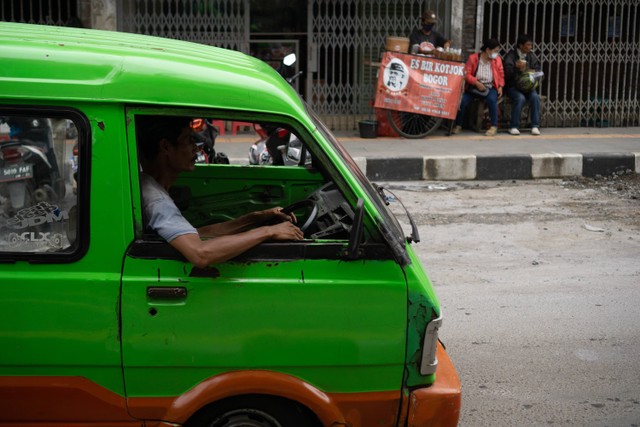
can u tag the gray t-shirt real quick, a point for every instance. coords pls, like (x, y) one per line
(160, 212)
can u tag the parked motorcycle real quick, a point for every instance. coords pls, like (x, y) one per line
(28, 171)
(277, 145)
(206, 133)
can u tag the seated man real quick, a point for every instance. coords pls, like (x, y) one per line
(168, 148)
(426, 37)
(518, 61)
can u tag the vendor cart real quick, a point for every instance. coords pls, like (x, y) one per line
(418, 91)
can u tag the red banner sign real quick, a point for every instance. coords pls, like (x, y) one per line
(418, 84)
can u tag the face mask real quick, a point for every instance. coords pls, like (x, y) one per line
(427, 27)
(493, 55)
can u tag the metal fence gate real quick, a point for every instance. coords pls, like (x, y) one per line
(223, 23)
(45, 12)
(590, 51)
(345, 37)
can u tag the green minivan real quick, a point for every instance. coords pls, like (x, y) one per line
(104, 323)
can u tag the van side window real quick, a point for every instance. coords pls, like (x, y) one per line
(38, 185)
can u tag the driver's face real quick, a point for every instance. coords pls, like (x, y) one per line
(183, 154)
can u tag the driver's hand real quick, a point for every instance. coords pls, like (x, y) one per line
(286, 231)
(277, 214)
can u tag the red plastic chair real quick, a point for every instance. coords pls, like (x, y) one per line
(220, 125)
(235, 126)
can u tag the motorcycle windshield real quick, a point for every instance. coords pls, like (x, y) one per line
(389, 225)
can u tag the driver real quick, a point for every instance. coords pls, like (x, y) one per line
(167, 148)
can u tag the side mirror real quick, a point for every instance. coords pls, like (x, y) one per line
(289, 60)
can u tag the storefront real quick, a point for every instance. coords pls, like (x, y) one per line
(587, 47)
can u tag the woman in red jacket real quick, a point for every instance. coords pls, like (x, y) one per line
(485, 79)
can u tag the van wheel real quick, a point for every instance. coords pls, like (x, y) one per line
(253, 411)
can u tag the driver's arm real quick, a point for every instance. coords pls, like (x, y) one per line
(202, 253)
(245, 222)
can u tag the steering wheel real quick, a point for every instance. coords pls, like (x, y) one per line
(309, 204)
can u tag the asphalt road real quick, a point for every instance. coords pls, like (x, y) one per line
(539, 283)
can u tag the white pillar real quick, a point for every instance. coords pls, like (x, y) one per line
(457, 8)
(98, 14)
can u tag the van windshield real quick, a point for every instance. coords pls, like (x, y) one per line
(390, 226)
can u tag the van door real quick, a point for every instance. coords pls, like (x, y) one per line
(298, 308)
(289, 308)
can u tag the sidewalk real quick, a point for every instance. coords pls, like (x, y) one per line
(558, 152)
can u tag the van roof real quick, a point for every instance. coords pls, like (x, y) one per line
(60, 63)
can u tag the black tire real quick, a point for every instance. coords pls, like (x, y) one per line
(411, 125)
(253, 411)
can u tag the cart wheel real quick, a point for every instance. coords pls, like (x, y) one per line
(411, 125)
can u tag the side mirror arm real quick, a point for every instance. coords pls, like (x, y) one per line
(353, 250)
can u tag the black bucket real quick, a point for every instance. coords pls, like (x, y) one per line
(368, 128)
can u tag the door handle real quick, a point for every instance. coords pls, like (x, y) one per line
(166, 292)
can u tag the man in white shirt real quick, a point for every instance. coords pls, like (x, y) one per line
(167, 148)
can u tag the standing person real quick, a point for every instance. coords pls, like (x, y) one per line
(484, 76)
(517, 62)
(168, 147)
(426, 37)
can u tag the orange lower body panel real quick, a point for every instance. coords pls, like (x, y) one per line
(77, 400)
(438, 405)
(60, 400)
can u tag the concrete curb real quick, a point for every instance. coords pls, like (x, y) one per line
(493, 167)
(499, 167)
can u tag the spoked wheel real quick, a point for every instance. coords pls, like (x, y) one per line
(411, 125)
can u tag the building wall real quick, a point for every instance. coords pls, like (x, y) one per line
(589, 48)
(469, 11)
